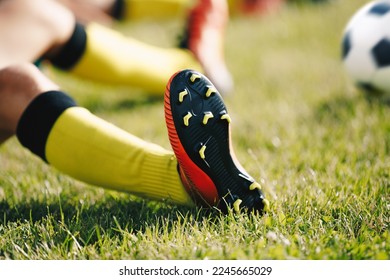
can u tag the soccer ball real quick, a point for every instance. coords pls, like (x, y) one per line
(366, 47)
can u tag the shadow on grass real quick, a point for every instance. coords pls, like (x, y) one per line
(96, 105)
(114, 217)
(128, 104)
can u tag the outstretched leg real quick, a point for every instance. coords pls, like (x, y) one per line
(70, 138)
(108, 56)
(98, 53)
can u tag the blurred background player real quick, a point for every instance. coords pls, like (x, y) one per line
(109, 11)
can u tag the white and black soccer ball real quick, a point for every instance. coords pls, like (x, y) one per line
(366, 47)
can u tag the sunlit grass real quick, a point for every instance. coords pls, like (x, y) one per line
(319, 147)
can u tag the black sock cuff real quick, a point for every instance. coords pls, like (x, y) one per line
(73, 50)
(118, 9)
(38, 119)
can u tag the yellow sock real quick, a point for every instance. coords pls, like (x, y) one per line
(155, 9)
(94, 151)
(113, 58)
(91, 150)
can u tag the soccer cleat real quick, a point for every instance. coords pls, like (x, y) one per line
(204, 37)
(207, 165)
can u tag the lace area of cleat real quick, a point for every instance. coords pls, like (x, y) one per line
(199, 131)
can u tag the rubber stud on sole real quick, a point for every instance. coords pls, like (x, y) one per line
(194, 77)
(186, 119)
(182, 94)
(202, 152)
(207, 117)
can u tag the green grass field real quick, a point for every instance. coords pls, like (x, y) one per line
(320, 148)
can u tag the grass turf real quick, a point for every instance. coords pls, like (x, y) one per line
(318, 146)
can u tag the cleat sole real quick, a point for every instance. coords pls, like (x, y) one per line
(219, 181)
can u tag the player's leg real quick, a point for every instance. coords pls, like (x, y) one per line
(102, 54)
(28, 29)
(95, 52)
(70, 138)
(17, 90)
(99, 53)
(48, 122)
